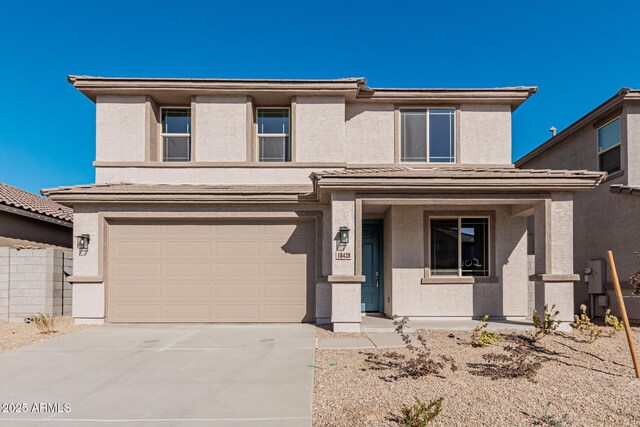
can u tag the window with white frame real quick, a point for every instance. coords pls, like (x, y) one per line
(427, 135)
(274, 144)
(176, 134)
(609, 146)
(459, 246)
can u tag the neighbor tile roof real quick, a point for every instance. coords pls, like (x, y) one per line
(17, 198)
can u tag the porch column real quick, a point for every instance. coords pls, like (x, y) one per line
(554, 276)
(345, 284)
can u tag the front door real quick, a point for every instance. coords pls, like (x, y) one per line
(372, 267)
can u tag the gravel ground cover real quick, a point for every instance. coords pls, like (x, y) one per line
(324, 331)
(579, 384)
(13, 335)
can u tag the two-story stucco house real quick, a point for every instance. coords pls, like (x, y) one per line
(312, 200)
(608, 217)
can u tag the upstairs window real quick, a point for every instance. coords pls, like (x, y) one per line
(609, 146)
(459, 247)
(273, 135)
(428, 135)
(176, 134)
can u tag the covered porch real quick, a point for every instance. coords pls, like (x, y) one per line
(448, 244)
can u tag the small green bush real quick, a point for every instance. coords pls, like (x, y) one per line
(545, 326)
(420, 414)
(585, 326)
(614, 322)
(480, 336)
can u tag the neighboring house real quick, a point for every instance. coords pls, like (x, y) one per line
(30, 220)
(608, 217)
(36, 235)
(312, 200)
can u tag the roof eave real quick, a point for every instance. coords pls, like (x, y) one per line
(94, 86)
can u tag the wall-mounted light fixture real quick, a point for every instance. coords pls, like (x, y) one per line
(344, 235)
(82, 242)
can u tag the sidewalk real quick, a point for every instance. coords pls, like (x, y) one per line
(379, 332)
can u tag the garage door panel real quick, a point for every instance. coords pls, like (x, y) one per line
(238, 312)
(189, 249)
(282, 312)
(138, 249)
(188, 231)
(230, 269)
(235, 249)
(194, 290)
(211, 272)
(237, 291)
(187, 312)
(141, 269)
(237, 231)
(284, 290)
(138, 290)
(138, 312)
(188, 269)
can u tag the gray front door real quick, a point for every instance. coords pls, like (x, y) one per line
(372, 289)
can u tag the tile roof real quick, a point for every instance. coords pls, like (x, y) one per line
(9, 242)
(625, 189)
(462, 172)
(132, 188)
(17, 198)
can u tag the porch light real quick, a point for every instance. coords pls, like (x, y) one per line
(344, 235)
(82, 242)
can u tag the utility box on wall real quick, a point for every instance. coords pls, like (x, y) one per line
(598, 278)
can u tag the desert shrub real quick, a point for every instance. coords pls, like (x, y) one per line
(585, 326)
(545, 326)
(417, 364)
(44, 322)
(550, 420)
(518, 361)
(634, 280)
(613, 321)
(480, 337)
(420, 414)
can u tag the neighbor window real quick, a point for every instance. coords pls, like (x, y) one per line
(273, 135)
(428, 135)
(459, 247)
(176, 134)
(609, 146)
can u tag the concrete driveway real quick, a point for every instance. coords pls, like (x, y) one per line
(167, 375)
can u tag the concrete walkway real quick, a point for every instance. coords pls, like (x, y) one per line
(379, 332)
(165, 375)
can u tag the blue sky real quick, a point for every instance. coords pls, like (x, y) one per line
(579, 53)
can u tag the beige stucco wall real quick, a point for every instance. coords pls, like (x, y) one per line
(485, 134)
(121, 128)
(506, 298)
(26, 228)
(632, 133)
(369, 133)
(221, 128)
(319, 128)
(602, 220)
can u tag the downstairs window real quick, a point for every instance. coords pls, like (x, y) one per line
(459, 246)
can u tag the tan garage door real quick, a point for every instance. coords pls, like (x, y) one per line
(253, 271)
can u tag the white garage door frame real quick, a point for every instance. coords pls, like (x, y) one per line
(314, 261)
